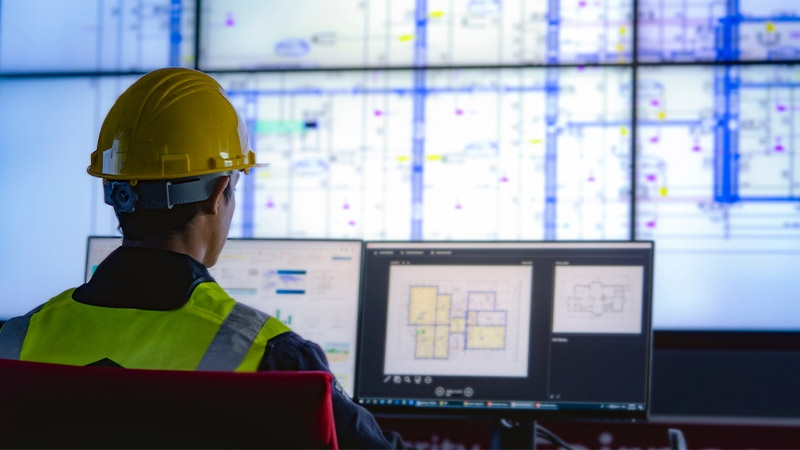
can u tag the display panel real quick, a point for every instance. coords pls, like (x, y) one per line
(710, 30)
(95, 35)
(97, 249)
(310, 285)
(718, 189)
(448, 154)
(542, 329)
(458, 153)
(357, 33)
(48, 129)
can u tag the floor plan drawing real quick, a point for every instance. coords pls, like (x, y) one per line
(598, 299)
(443, 318)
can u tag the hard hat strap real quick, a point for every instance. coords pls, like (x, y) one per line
(161, 194)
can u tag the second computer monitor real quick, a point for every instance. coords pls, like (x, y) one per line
(310, 285)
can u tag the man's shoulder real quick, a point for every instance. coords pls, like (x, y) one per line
(290, 351)
(293, 342)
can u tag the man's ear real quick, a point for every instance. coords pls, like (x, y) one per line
(214, 202)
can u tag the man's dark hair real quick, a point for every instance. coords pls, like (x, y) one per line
(154, 223)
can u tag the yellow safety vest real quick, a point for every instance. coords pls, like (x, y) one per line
(210, 332)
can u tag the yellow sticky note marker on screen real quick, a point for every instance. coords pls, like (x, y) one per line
(406, 38)
(402, 158)
(619, 48)
(663, 191)
(535, 141)
(437, 14)
(770, 27)
(624, 131)
(434, 157)
(662, 115)
(622, 31)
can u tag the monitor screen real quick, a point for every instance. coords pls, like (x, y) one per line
(97, 250)
(480, 140)
(95, 35)
(708, 30)
(355, 33)
(537, 328)
(717, 189)
(473, 120)
(310, 285)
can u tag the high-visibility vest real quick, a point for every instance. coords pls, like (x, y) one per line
(210, 332)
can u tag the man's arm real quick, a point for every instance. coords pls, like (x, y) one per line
(355, 426)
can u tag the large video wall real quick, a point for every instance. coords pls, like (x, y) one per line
(672, 121)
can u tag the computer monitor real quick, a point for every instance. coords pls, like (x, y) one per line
(97, 249)
(534, 329)
(310, 285)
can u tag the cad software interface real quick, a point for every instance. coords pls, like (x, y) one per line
(310, 285)
(553, 327)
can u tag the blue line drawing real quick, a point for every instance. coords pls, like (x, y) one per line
(484, 6)
(418, 138)
(439, 325)
(292, 47)
(482, 149)
(310, 167)
(175, 37)
(249, 189)
(731, 30)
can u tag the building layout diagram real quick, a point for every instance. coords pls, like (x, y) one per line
(480, 326)
(458, 320)
(598, 299)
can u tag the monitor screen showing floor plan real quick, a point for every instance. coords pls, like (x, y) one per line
(538, 328)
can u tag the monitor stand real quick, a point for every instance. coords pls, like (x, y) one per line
(509, 434)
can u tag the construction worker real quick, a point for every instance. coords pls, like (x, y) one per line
(170, 153)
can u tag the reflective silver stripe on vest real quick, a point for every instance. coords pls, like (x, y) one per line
(234, 339)
(13, 333)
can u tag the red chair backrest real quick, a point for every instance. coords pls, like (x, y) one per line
(52, 405)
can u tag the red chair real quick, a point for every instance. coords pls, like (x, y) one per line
(59, 406)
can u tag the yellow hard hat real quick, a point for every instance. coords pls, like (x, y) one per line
(170, 124)
(166, 139)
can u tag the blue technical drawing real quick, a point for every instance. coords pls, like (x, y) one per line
(292, 47)
(386, 34)
(418, 146)
(484, 6)
(731, 30)
(420, 89)
(482, 149)
(310, 167)
(95, 36)
(175, 36)
(727, 91)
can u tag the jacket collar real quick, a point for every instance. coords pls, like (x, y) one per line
(143, 278)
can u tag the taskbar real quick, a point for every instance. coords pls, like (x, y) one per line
(509, 405)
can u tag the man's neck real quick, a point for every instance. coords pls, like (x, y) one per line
(181, 242)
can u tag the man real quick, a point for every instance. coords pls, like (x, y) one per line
(170, 153)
